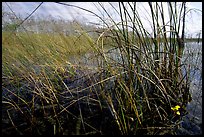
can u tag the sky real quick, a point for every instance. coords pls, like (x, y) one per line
(193, 19)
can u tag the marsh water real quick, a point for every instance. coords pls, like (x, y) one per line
(191, 123)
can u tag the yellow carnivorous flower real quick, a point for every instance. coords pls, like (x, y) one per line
(176, 109)
(178, 113)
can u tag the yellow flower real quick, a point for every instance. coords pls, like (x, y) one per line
(178, 113)
(175, 108)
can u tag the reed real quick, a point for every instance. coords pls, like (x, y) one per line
(150, 80)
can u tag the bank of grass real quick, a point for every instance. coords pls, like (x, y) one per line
(136, 94)
(28, 49)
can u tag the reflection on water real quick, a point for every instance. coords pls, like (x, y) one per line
(192, 122)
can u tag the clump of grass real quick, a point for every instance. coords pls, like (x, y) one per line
(150, 80)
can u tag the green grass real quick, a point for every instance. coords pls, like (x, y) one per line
(28, 50)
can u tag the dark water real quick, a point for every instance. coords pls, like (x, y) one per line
(191, 124)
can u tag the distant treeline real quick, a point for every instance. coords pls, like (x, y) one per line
(193, 40)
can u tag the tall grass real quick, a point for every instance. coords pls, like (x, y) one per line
(150, 81)
(40, 49)
(135, 84)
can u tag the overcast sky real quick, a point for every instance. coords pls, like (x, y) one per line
(193, 20)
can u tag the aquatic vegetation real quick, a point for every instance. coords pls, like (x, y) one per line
(134, 84)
